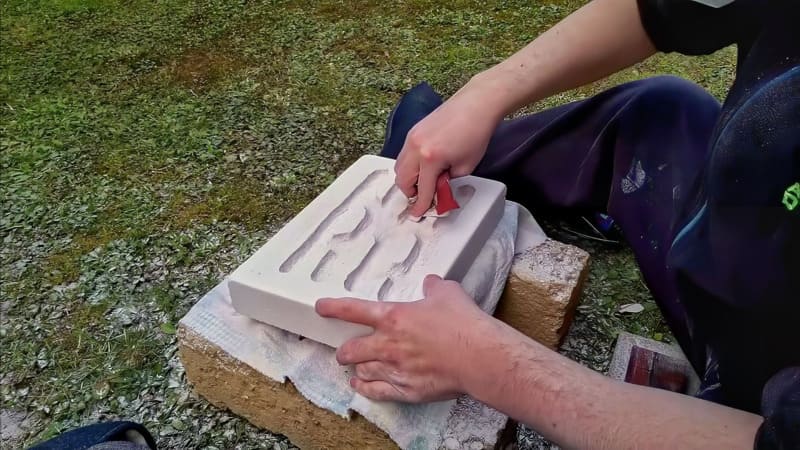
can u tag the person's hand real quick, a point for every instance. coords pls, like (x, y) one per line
(452, 138)
(419, 351)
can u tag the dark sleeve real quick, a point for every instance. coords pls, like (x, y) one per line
(781, 410)
(692, 28)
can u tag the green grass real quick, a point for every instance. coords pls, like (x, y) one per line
(146, 148)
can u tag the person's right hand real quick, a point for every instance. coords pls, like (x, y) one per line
(452, 138)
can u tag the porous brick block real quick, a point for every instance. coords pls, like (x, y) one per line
(543, 290)
(231, 384)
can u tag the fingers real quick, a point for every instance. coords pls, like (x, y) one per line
(461, 170)
(407, 183)
(406, 172)
(365, 312)
(377, 390)
(429, 283)
(434, 285)
(359, 350)
(373, 371)
(426, 188)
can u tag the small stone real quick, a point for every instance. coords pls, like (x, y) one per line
(168, 431)
(13, 425)
(125, 316)
(178, 425)
(170, 351)
(451, 443)
(183, 397)
(631, 308)
(101, 389)
(173, 383)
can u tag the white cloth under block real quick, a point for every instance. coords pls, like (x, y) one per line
(312, 366)
(355, 240)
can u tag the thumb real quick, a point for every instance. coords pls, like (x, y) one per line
(430, 283)
(461, 170)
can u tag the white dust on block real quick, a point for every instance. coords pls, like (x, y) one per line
(354, 240)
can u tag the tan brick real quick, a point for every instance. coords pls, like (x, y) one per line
(231, 384)
(543, 289)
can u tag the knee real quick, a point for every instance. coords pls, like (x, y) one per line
(671, 94)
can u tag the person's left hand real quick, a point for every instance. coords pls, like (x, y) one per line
(419, 351)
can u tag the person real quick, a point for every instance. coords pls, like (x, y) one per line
(704, 193)
(110, 435)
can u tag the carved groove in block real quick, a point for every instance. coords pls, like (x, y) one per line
(362, 225)
(411, 258)
(391, 192)
(329, 246)
(319, 272)
(387, 259)
(400, 268)
(315, 236)
(355, 274)
(385, 288)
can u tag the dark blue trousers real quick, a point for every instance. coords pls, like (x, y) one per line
(115, 435)
(631, 151)
(639, 152)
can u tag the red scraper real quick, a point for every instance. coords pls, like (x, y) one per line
(443, 200)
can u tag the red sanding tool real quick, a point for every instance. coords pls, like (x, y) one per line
(443, 200)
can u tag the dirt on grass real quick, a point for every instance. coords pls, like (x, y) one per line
(200, 69)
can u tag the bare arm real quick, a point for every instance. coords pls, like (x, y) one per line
(578, 408)
(444, 345)
(599, 39)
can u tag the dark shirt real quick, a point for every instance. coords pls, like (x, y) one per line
(736, 256)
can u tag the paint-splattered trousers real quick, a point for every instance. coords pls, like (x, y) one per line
(637, 152)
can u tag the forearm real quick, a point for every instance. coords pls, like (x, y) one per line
(578, 408)
(599, 39)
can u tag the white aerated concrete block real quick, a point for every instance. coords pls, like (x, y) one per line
(354, 240)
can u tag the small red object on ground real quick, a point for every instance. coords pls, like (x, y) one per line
(649, 368)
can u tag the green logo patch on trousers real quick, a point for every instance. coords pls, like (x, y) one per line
(791, 198)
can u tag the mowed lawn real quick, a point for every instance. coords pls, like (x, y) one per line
(147, 148)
